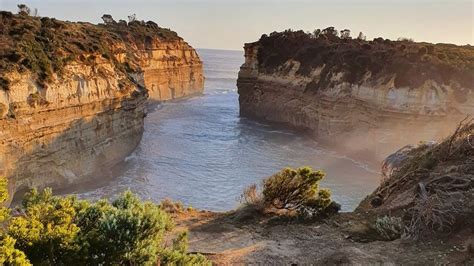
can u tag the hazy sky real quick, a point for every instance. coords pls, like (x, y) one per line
(228, 24)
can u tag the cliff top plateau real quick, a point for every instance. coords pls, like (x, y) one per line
(410, 63)
(43, 46)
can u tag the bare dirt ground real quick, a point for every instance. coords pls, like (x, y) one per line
(246, 238)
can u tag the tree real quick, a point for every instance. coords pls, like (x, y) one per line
(23, 9)
(316, 33)
(132, 18)
(108, 19)
(290, 189)
(361, 37)
(345, 34)
(330, 31)
(152, 25)
(293, 190)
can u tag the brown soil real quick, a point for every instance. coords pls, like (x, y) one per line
(242, 237)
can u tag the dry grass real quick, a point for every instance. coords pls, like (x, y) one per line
(252, 198)
(171, 206)
(441, 178)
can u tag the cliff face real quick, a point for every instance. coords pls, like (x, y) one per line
(365, 96)
(73, 95)
(172, 70)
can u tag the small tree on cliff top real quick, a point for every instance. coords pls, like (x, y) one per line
(361, 37)
(23, 9)
(108, 19)
(345, 34)
(330, 31)
(293, 190)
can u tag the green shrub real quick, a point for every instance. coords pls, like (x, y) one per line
(174, 257)
(47, 231)
(389, 228)
(9, 255)
(4, 212)
(127, 231)
(293, 191)
(177, 255)
(60, 230)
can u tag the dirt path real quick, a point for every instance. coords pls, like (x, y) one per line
(226, 239)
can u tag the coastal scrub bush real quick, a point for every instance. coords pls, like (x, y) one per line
(174, 255)
(389, 227)
(126, 231)
(9, 255)
(54, 230)
(293, 190)
(171, 206)
(47, 231)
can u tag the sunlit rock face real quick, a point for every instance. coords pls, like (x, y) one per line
(373, 112)
(88, 116)
(172, 70)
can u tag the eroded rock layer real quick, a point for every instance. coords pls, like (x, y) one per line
(73, 95)
(367, 97)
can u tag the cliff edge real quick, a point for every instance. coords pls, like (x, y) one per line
(422, 213)
(366, 96)
(73, 95)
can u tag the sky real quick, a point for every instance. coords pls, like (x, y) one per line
(228, 24)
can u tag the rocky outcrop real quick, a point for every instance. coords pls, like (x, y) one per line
(431, 186)
(368, 97)
(73, 95)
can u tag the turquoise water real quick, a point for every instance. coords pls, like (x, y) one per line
(199, 150)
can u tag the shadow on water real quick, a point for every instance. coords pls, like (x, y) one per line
(200, 151)
(74, 156)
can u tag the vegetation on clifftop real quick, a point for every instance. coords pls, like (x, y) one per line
(292, 191)
(408, 62)
(45, 45)
(432, 190)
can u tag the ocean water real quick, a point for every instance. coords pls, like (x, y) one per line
(199, 151)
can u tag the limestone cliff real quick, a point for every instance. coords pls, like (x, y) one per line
(367, 96)
(73, 95)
